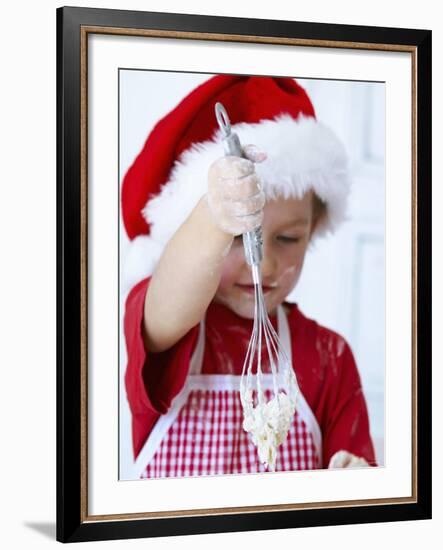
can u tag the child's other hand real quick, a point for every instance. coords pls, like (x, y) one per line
(345, 459)
(235, 197)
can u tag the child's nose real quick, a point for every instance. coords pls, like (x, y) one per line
(268, 264)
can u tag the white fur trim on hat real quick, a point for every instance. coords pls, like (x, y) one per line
(302, 154)
(140, 260)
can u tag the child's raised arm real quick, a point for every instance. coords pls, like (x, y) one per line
(188, 273)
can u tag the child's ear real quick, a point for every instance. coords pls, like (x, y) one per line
(319, 209)
(314, 223)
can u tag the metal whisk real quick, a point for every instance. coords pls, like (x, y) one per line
(268, 422)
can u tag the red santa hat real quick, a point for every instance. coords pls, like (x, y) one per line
(169, 175)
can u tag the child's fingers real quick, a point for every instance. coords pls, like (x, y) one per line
(248, 207)
(252, 222)
(235, 197)
(235, 224)
(231, 167)
(345, 459)
(238, 189)
(254, 153)
(246, 223)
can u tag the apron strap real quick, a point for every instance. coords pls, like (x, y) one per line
(303, 408)
(283, 331)
(197, 357)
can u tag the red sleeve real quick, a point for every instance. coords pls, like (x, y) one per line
(152, 380)
(345, 422)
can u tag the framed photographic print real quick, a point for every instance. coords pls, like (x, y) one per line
(244, 274)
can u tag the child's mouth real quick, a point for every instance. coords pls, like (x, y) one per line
(250, 289)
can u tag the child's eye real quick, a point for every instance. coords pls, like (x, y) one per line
(288, 240)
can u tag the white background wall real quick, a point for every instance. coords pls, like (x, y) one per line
(28, 322)
(350, 299)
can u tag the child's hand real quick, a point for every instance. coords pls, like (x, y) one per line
(235, 197)
(345, 459)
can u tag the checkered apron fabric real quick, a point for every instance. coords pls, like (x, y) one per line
(207, 438)
(202, 434)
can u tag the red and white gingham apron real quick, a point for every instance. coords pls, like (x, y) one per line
(202, 433)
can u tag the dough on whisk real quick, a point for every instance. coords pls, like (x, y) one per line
(269, 424)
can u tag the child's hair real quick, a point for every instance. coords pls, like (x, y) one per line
(319, 209)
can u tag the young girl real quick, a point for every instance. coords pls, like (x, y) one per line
(189, 313)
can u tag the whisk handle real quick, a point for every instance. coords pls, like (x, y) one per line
(232, 146)
(252, 240)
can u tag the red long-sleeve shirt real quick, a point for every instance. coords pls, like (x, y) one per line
(322, 360)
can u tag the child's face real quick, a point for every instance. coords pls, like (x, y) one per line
(287, 227)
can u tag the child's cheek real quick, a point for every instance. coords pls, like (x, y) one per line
(290, 276)
(291, 266)
(232, 268)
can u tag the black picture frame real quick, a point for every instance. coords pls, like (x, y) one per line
(73, 522)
